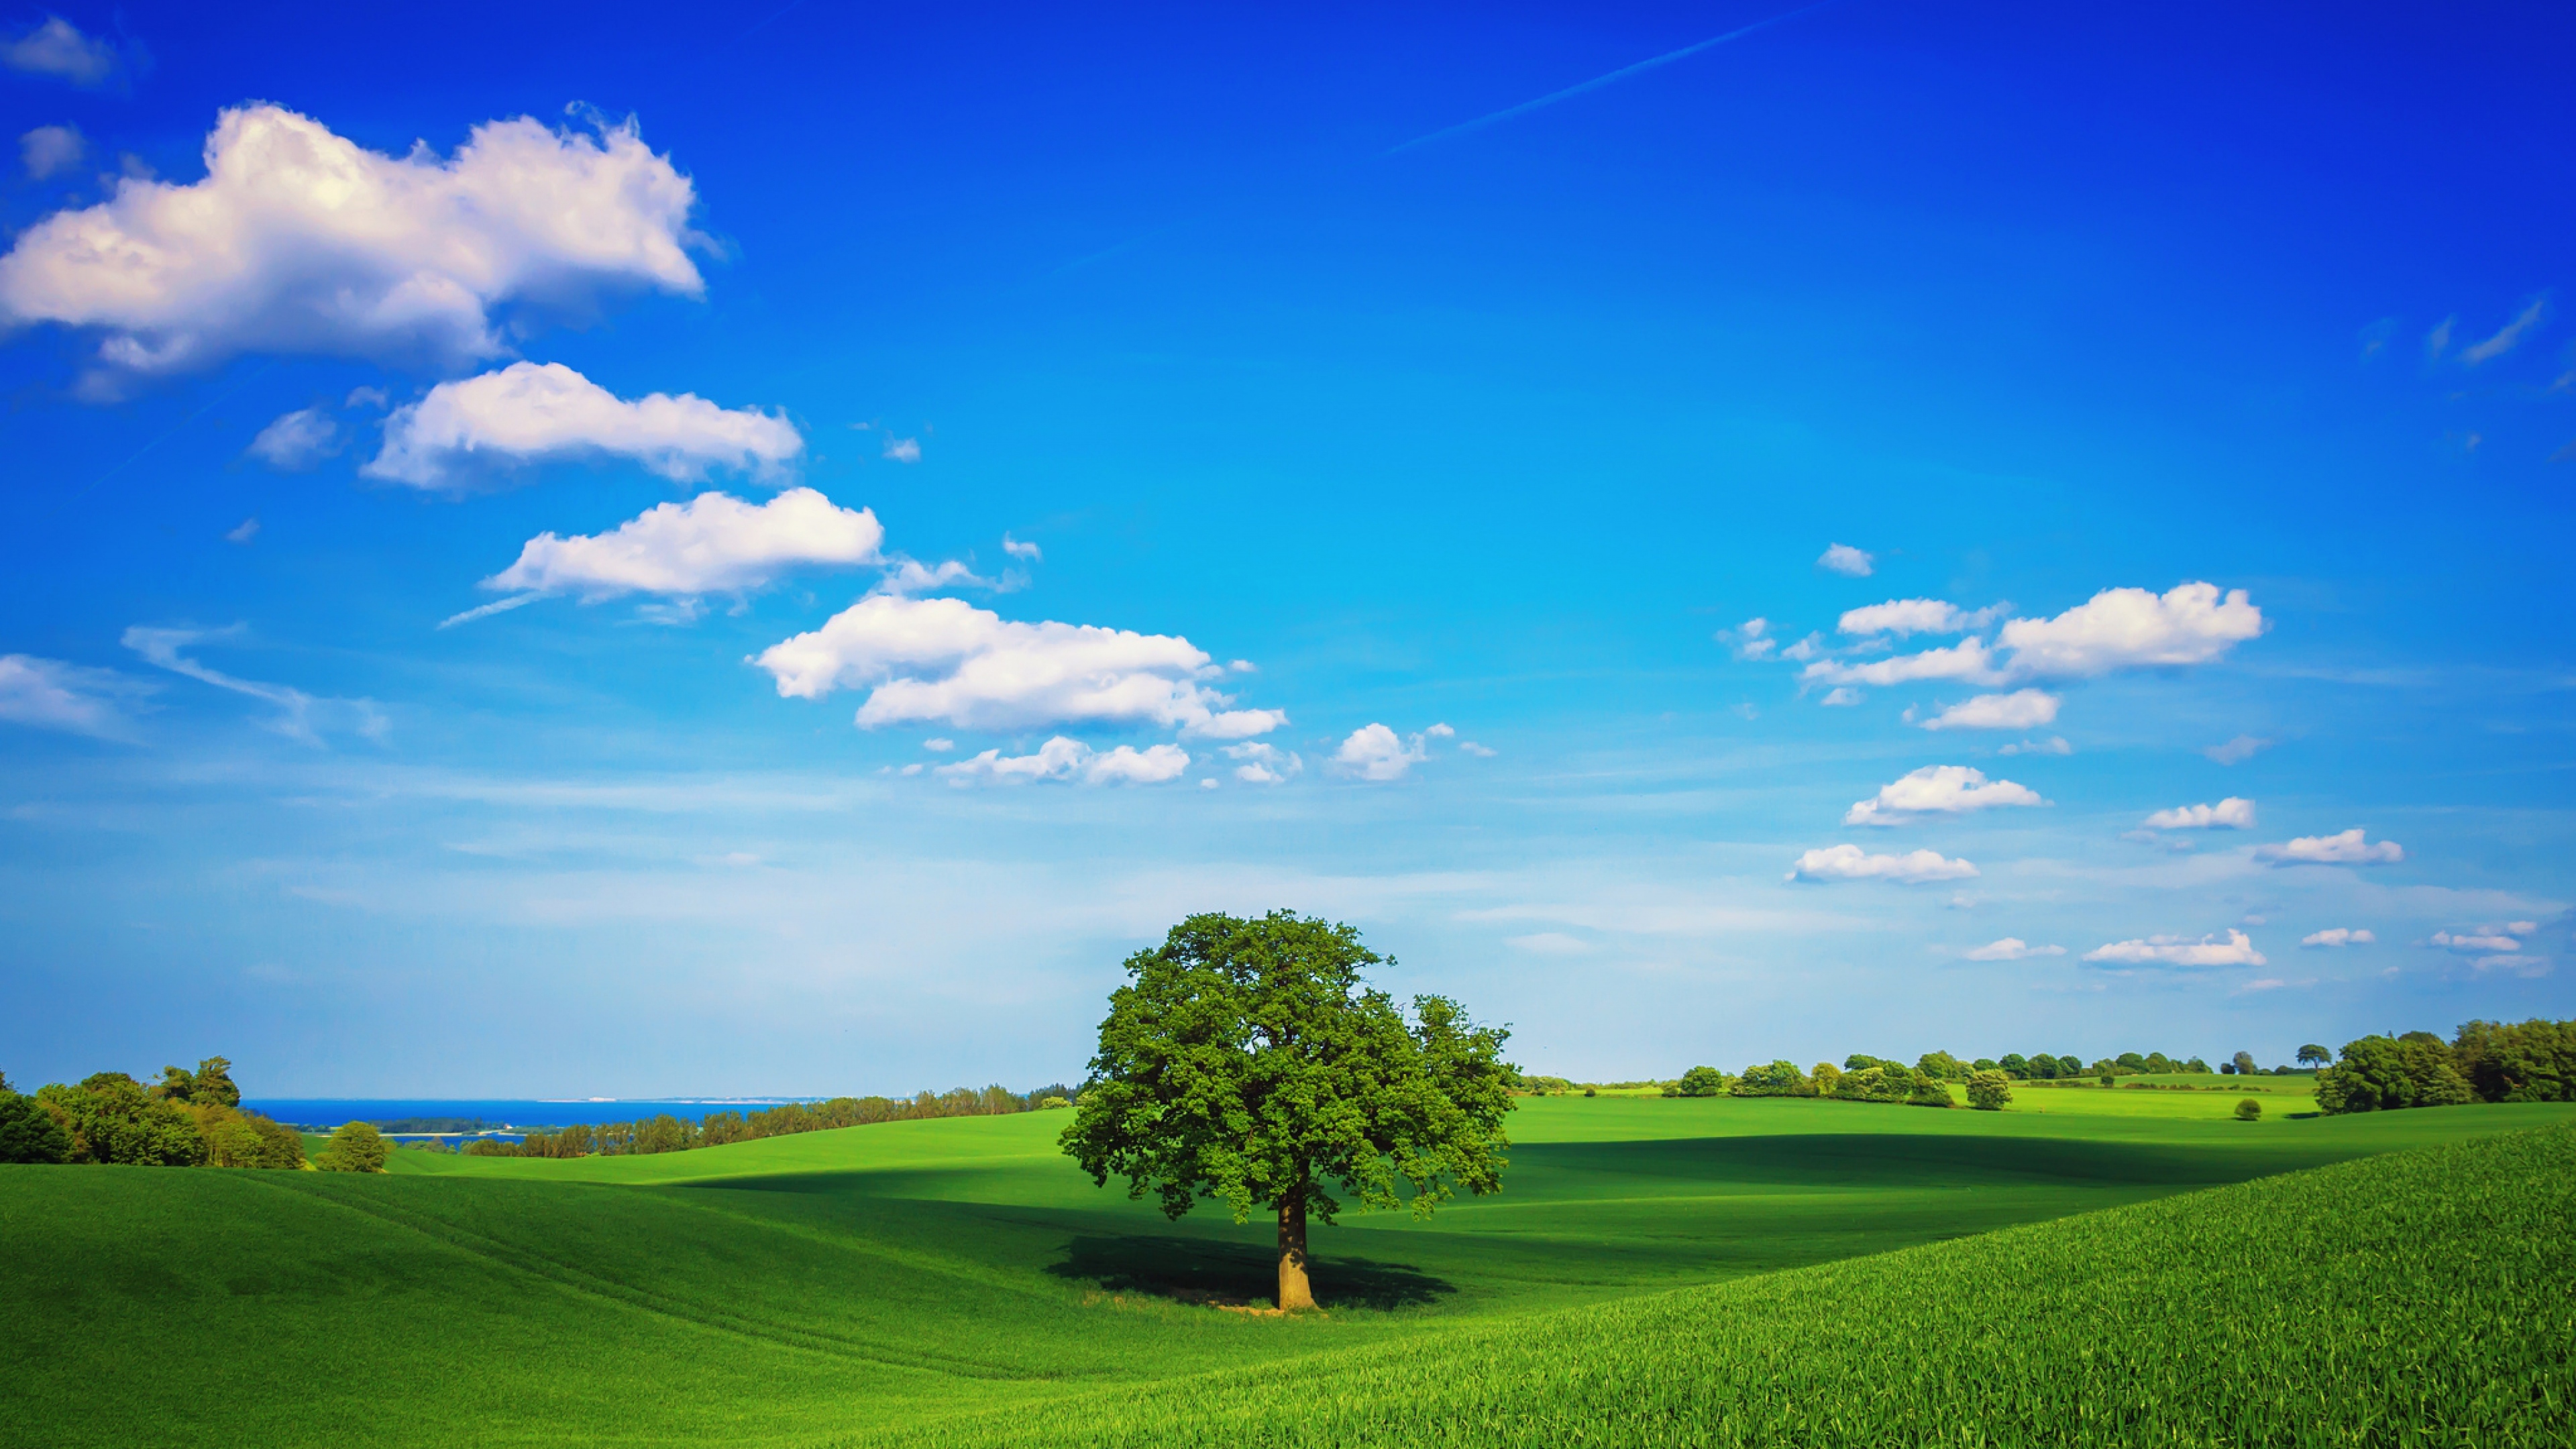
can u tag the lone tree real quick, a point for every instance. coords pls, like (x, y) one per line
(1246, 1061)
(2313, 1055)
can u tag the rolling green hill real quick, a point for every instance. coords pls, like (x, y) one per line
(807, 1289)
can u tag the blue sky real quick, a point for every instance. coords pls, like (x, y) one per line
(2198, 387)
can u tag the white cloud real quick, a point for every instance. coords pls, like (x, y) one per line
(2344, 848)
(1918, 616)
(300, 716)
(1750, 639)
(49, 149)
(2439, 338)
(1937, 790)
(2337, 936)
(2115, 629)
(1264, 764)
(1482, 752)
(2232, 813)
(1850, 862)
(2020, 710)
(2507, 336)
(1842, 696)
(300, 241)
(938, 746)
(1374, 752)
(546, 412)
(908, 576)
(1846, 560)
(2053, 745)
(2011, 948)
(2238, 750)
(1021, 548)
(1550, 943)
(371, 397)
(57, 48)
(2473, 943)
(944, 659)
(2235, 950)
(1072, 760)
(297, 440)
(712, 542)
(242, 532)
(903, 450)
(49, 694)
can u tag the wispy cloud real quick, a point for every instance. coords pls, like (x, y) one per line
(301, 716)
(2508, 336)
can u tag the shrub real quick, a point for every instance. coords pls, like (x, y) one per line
(1777, 1079)
(355, 1147)
(1049, 1104)
(2249, 1110)
(1989, 1091)
(1700, 1082)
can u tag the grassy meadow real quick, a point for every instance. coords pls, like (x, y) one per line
(961, 1281)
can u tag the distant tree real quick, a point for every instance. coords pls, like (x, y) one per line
(1928, 1090)
(1774, 1079)
(29, 1133)
(1701, 1082)
(354, 1147)
(1942, 1065)
(211, 1084)
(2533, 1061)
(2313, 1055)
(2379, 1074)
(1248, 1061)
(2196, 1065)
(2130, 1061)
(2014, 1064)
(1989, 1091)
(2249, 1110)
(2244, 1064)
(1827, 1078)
(112, 1119)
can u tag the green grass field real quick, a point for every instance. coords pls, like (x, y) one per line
(898, 1278)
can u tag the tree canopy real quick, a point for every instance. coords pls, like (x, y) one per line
(1247, 1061)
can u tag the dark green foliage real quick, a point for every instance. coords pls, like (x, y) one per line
(1941, 1065)
(2249, 1110)
(1247, 1061)
(2259, 1314)
(210, 1085)
(1989, 1091)
(29, 1133)
(1700, 1082)
(246, 1139)
(1776, 1079)
(2534, 1061)
(355, 1147)
(2313, 1055)
(112, 1119)
(1890, 1082)
(2243, 1062)
(2378, 1073)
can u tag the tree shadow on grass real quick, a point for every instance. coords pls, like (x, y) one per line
(1222, 1274)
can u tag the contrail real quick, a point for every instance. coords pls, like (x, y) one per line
(1597, 82)
(488, 610)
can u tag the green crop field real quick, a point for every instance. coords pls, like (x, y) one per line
(1651, 1265)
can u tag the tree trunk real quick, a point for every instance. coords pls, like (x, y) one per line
(1293, 1292)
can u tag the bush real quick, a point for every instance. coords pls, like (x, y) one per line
(355, 1147)
(1777, 1079)
(1989, 1091)
(2249, 1110)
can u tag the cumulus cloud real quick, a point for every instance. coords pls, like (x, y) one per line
(903, 450)
(1845, 560)
(1264, 764)
(909, 576)
(2020, 710)
(1074, 761)
(300, 241)
(1850, 862)
(2508, 336)
(2488, 940)
(49, 149)
(2232, 813)
(1918, 616)
(2234, 950)
(2344, 848)
(2115, 629)
(944, 659)
(57, 48)
(1937, 790)
(2011, 948)
(1750, 639)
(1374, 752)
(1842, 696)
(1021, 548)
(48, 694)
(2238, 750)
(2334, 936)
(297, 440)
(300, 716)
(711, 543)
(546, 412)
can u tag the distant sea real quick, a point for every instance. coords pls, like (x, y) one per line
(324, 1113)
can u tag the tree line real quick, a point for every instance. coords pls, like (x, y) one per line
(187, 1119)
(2485, 1061)
(666, 1133)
